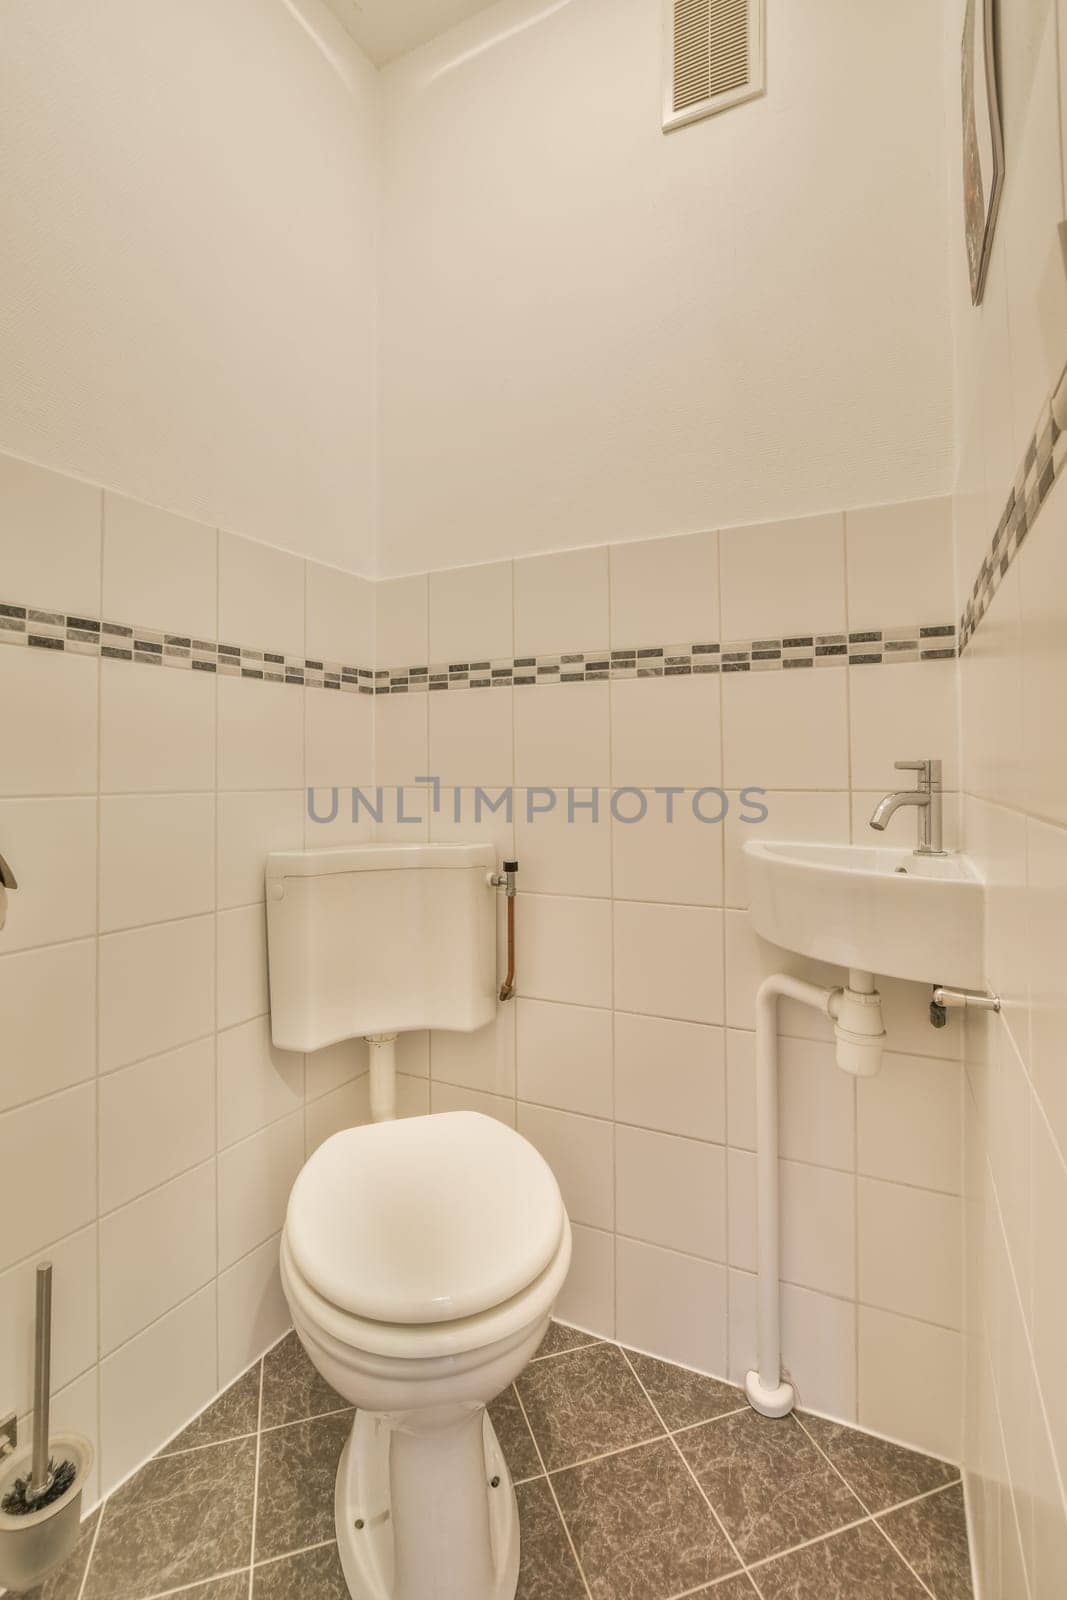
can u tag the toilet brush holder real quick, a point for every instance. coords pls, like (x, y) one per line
(40, 1488)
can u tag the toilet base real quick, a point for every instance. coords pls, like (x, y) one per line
(366, 1532)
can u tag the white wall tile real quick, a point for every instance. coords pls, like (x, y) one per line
(157, 989)
(50, 531)
(786, 730)
(562, 735)
(900, 564)
(255, 1178)
(157, 1119)
(671, 1305)
(339, 619)
(339, 740)
(1049, 1329)
(250, 825)
(346, 1107)
(64, 1128)
(903, 713)
(243, 990)
(1042, 581)
(157, 858)
(665, 591)
(447, 1097)
(400, 736)
(51, 848)
(137, 1410)
(817, 1101)
(750, 959)
(261, 596)
(253, 1313)
(469, 614)
(669, 960)
(818, 1224)
(587, 1299)
(261, 734)
(817, 817)
(402, 622)
(157, 729)
(665, 731)
(783, 578)
(155, 1253)
(925, 1411)
(561, 602)
(160, 570)
(671, 1192)
(566, 949)
(74, 1341)
(413, 1052)
(405, 814)
(564, 845)
(326, 1070)
(910, 1251)
(672, 856)
(258, 1084)
(468, 817)
(484, 1060)
(48, 1002)
(579, 1151)
(818, 1344)
(50, 721)
(470, 738)
(564, 1057)
(909, 1122)
(670, 1075)
(1047, 896)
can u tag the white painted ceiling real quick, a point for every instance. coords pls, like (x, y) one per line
(386, 29)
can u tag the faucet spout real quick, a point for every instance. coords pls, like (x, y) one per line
(893, 802)
(926, 799)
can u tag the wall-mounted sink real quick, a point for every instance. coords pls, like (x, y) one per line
(889, 912)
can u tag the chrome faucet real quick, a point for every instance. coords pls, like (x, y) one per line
(927, 797)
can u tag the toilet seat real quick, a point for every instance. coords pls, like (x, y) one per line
(429, 1224)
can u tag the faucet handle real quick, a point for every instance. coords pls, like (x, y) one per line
(929, 771)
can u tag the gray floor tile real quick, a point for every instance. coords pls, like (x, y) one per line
(235, 1587)
(311, 1575)
(546, 1563)
(181, 1520)
(882, 1474)
(736, 1588)
(514, 1436)
(932, 1536)
(232, 1416)
(584, 1404)
(297, 1472)
(65, 1583)
(855, 1565)
(767, 1481)
(640, 1525)
(559, 1338)
(682, 1397)
(292, 1388)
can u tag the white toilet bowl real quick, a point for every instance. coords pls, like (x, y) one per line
(421, 1260)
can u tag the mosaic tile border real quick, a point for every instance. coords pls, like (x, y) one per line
(1044, 461)
(117, 641)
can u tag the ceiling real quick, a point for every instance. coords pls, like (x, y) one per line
(386, 29)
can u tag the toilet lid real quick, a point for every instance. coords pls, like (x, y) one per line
(424, 1220)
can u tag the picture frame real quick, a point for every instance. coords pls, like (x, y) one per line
(983, 140)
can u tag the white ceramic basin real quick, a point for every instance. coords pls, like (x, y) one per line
(888, 912)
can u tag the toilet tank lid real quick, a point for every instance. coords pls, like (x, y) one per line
(424, 1220)
(376, 858)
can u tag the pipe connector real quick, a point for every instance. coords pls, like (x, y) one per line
(859, 1030)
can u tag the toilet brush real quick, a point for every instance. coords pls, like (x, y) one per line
(47, 1479)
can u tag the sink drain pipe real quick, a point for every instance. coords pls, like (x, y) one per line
(856, 1012)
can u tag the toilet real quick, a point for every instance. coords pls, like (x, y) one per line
(421, 1258)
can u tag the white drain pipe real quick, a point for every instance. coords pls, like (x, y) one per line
(858, 1031)
(382, 1051)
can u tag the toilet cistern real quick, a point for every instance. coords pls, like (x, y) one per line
(926, 797)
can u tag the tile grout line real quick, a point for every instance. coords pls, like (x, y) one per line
(552, 1492)
(92, 1551)
(255, 1481)
(678, 1450)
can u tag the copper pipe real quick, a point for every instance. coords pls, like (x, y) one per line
(507, 988)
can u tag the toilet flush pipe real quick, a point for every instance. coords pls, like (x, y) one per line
(857, 1016)
(382, 1049)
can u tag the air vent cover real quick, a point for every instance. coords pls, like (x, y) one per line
(714, 57)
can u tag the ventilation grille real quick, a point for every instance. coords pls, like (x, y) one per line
(714, 57)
